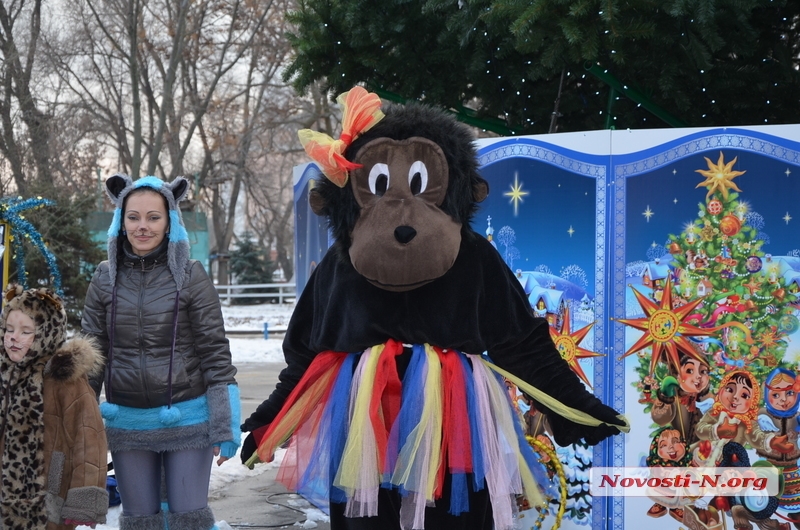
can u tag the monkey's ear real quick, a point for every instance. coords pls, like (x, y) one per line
(480, 190)
(316, 201)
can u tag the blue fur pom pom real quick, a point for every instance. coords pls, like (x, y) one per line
(109, 411)
(169, 415)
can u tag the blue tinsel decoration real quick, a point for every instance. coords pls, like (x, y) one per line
(10, 209)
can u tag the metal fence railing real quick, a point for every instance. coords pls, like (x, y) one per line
(278, 293)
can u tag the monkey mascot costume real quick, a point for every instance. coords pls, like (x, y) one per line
(392, 397)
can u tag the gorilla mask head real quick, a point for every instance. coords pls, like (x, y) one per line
(412, 189)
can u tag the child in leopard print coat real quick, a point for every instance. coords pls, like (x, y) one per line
(52, 438)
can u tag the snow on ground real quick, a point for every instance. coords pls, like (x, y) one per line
(252, 317)
(249, 349)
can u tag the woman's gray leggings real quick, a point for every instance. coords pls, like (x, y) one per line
(186, 476)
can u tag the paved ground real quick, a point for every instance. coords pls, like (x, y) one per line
(258, 501)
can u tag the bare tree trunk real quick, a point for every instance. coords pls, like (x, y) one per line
(167, 93)
(133, 20)
(19, 83)
(286, 262)
(9, 147)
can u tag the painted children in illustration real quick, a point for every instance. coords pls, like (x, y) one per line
(668, 449)
(733, 416)
(779, 415)
(684, 410)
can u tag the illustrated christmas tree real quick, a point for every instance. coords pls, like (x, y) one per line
(724, 291)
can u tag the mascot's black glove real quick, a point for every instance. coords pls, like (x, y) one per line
(566, 432)
(251, 442)
(541, 364)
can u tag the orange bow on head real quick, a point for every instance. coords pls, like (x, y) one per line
(360, 111)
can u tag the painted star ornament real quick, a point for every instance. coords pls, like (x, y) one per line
(665, 328)
(568, 345)
(516, 194)
(719, 176)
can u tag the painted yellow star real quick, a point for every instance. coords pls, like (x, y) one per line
(516, 194)
(719, 177)
(769, 339)
(664, 328)
(567, 345)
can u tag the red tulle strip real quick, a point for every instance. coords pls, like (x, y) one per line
(456, 448)
(312, 390)
(386, 396)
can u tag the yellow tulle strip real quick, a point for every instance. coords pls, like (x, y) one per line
(425, 439)
(360, 111)
(553, 404)
(353, 458)
(433, 388)
(529, 484)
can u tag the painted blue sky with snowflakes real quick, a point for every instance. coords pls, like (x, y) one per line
(771, 187)
(554, 220)
(556, 201)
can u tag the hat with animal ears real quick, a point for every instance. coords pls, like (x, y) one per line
(118, 187)
(47, 311)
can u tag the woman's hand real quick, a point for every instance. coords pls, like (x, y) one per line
(221, 459)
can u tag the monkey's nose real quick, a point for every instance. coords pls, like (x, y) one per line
(404, 234)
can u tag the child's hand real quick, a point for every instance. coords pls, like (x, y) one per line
(669, 386)
(781, 444)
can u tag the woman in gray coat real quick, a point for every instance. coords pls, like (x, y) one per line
(171, 398)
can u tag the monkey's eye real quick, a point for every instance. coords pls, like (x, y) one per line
(418, 177)
(379, 179)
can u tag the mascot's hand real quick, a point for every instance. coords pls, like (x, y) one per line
(566, 432)
(251, 443)
(669, 386)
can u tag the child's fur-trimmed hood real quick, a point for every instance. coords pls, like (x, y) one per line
(78, 357)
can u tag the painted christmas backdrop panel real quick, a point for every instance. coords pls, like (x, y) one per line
(542, 215)
(310, 235)
(712, 271)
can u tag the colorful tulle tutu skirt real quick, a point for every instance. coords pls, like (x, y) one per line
(355, 427)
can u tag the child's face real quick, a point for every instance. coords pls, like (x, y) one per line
(19, 335)
(782, 396)
(693, 376)
(670, 446)
(736, 397)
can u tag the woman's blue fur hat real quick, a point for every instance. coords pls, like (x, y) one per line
(118, 187)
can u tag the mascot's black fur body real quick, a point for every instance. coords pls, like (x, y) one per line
(412, 200)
